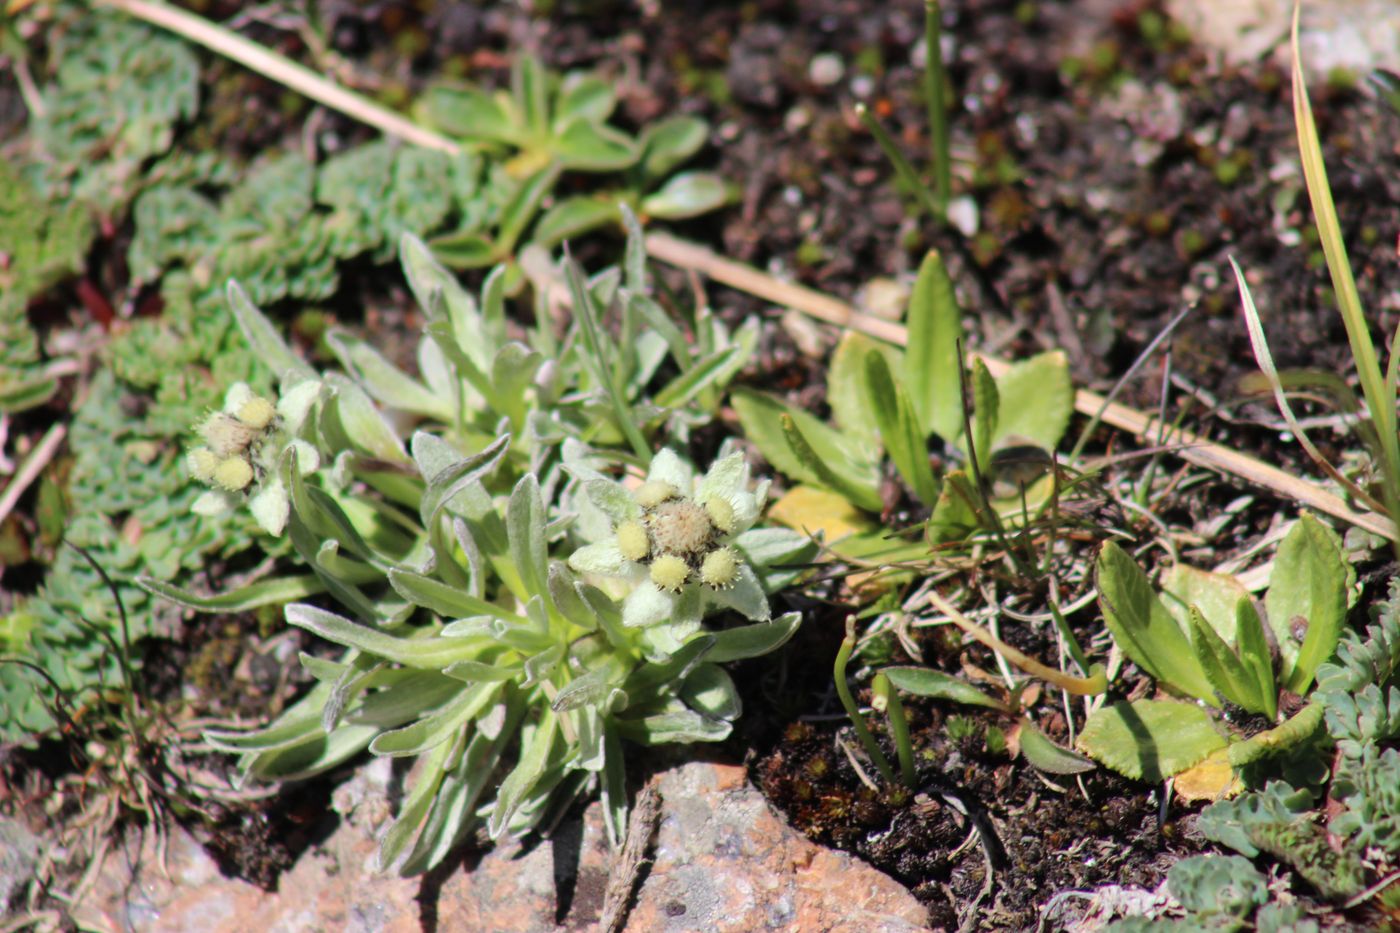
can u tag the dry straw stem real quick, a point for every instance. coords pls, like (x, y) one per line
(1192, 447)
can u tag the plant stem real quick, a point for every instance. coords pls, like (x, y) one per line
(843, 690)
(899, 728)
(940, 162)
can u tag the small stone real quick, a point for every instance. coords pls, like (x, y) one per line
(826, 69)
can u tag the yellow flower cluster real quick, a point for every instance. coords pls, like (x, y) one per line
(678, 537)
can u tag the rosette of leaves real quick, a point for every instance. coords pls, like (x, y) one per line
(43, 242)
(1202, 638)
(887, 404)
(546, 125)
(120, 90)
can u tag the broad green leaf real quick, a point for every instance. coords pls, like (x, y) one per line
(1307, 592)
(848, 390)
(574, 216)
(583, 96)
(590, 147)
(467, 113)
(1037, 400)
(688, 194)
(1149, 740)
(669, 142)
(1214, 594)
(898, 429)
(927, 682)
(1046, 755)
(931, 369)
(1143, 627)
(1222, 666)
(272, 592)
(828, 471)
(762, 417)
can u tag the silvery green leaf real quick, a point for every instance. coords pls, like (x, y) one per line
(572, 217)
(345, 569)
(609, 616)
(525, 526)
(539, 667)
(751, 641)
(614, 789)
(307, 544)
(270, 506)
(779, 555)
(745, 595)
(647, 605)
(667, 467)
(351, 680)
(447, 601)
(450, 478)
(214, 502)
(383, 380)
(298, 725)
(295, 402)
(649, 350)
(451, 817)
(437, 727)
(589, 752)
(441, 297)
(678, 726)
(728, 479)
(660, 322)
(564, 592)
(590, 689)
(710, 690)
(658, 642)
(363, 424)
(476, 567)
(267, 344)
(477, 672)
(414, 808)
(513, 374)
(424, 653)
(662, 675)
(309, 759)
(271, 592)
(537, 745)
(322, 669)
(699, 376)
(617, 503)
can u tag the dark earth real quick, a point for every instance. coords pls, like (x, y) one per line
(1116, 167)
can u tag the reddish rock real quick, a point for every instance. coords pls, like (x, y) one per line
(723, 860)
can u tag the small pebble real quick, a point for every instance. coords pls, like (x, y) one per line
(826, 69)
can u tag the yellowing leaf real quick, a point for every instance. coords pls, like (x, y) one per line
(1210, 779)
(806, 508)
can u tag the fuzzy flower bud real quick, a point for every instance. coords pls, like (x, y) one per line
(632, 541)
(669, 573)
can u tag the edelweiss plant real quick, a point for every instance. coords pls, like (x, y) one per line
(468, 643)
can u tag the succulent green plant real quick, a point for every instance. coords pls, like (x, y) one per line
(546, 125)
